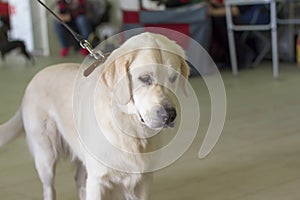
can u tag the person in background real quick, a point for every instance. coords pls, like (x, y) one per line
(72, 12)
(220, 48)
(241, 15)
(7, 45)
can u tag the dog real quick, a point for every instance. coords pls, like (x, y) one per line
(133, 100)
(7, 45)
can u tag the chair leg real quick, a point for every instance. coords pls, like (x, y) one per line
(232, 50)
(265, 50)
(274, 39)
(230, 33)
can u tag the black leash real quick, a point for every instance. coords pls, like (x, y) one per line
(99, 56)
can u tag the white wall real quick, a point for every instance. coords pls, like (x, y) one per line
(54, 45)
(39, 28)
(28, 23)
(21, 22)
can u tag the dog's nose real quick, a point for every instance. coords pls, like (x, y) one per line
(167, 115)
(171, 112)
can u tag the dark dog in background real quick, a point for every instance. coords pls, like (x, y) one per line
(7, 45)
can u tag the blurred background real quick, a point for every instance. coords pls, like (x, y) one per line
(258, 154)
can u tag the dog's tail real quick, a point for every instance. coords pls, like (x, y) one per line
(11, 129)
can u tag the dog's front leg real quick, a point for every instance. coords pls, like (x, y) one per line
(142, 190)
(96, 184)
(95, 190)
(92, 189)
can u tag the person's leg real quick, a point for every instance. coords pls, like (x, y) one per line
(62, 34)
(245, 54)
(63, 38)
(84, 26)
(220, 37)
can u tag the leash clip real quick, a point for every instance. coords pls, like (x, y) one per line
(97, 55)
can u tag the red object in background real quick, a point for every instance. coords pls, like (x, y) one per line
(131, 17)
(219, 1)
(4, 11)
(182, 28)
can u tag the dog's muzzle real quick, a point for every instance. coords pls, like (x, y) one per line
(160, 116)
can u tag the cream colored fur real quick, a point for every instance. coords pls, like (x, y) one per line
(46, 115)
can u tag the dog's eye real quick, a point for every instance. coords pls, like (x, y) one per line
(146, 79)
(173, 78)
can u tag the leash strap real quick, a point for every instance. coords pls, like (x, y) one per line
(83, 43)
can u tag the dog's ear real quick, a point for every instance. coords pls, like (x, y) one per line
(185, 72)
(116, 78)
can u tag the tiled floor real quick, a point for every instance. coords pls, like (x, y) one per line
(256, 158)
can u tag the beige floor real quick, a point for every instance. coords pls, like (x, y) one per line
(256, 158)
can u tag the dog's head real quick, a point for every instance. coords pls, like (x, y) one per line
(143, 75)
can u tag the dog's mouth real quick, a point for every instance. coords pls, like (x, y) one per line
(141, 119)
(169, 125)
(166, 124)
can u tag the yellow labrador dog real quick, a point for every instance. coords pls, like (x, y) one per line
(132, 99)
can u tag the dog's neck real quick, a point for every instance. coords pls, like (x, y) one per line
(130, 128)
(122, 128)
